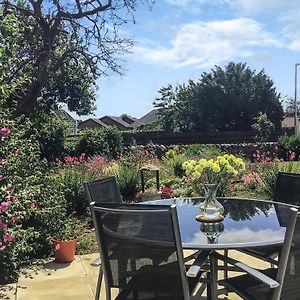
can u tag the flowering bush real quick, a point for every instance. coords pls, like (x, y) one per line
(31, 201)
(73, 172)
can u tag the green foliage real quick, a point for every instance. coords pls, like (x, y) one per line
(290, 144)
(175, 163)
(105, 141)
(222, 100)
(128, 180)
(262, 127)
(52, 135)
(269, 175)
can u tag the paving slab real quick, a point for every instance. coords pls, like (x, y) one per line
(8, 291)
(49, 269)
(75, 288)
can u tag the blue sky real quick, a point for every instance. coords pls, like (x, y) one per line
(180, 39)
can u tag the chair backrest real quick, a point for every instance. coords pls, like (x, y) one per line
(288, 273)
(141, 249)
(103, 190)
(287, 189)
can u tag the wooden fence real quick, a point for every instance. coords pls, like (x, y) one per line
(179, 138)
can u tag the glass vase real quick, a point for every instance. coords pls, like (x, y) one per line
(211, 209)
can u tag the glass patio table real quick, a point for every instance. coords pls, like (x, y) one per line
(247, 223)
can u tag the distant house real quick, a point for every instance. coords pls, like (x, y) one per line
(91, 123)
(124, 122)
(118, 122)
(63, 115)
(147, 120)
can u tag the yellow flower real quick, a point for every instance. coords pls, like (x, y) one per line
(216, 168)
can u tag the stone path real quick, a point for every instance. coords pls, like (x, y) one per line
(48, 280)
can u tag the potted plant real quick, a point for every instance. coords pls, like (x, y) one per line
(65, 242)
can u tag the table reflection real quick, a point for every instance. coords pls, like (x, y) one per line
(246, 223)
(212, 231)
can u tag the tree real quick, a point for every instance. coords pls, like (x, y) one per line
(224, 99)
(65, 32)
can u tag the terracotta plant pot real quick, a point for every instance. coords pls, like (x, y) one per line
(64, 250)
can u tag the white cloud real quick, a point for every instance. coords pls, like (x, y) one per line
(291, 29)
(204, 44)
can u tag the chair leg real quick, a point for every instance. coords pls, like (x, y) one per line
(98, 288)
(225, 264)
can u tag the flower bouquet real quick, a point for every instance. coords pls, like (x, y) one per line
(210, 173)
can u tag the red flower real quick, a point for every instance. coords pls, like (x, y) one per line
(166, 192)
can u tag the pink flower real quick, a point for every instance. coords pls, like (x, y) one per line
(4, 206)
(1, 177)
(57, 246)
(3, 226)
(14, 218)
(5, 131)
(17, 151)
(8, 189)
(14, 199)
(2, 248)
(8, 238)
(33, 205)
(2, 161)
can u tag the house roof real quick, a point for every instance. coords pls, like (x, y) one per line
(94, 120)
(148, 118)
(62, 114)
(118, 120)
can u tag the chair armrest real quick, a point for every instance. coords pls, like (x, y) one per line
(251, 271)
(195, 268)
(258, 275)
(96, 262)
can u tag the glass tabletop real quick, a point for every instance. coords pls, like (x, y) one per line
(247, 223)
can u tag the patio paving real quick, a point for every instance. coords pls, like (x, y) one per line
(48, 280)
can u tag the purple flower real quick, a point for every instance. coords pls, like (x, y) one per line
(5, 131)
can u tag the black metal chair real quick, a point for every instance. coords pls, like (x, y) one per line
(102, 191)
(273, 283)
(287, 190)
(141, 252)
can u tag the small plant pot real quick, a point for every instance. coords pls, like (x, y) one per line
(64, 250)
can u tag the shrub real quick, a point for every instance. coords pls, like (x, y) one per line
(262, 127)
(51, 137)
(106, 141)
(31, 204)
(290, 146)
(72, 172)
(128, 180)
